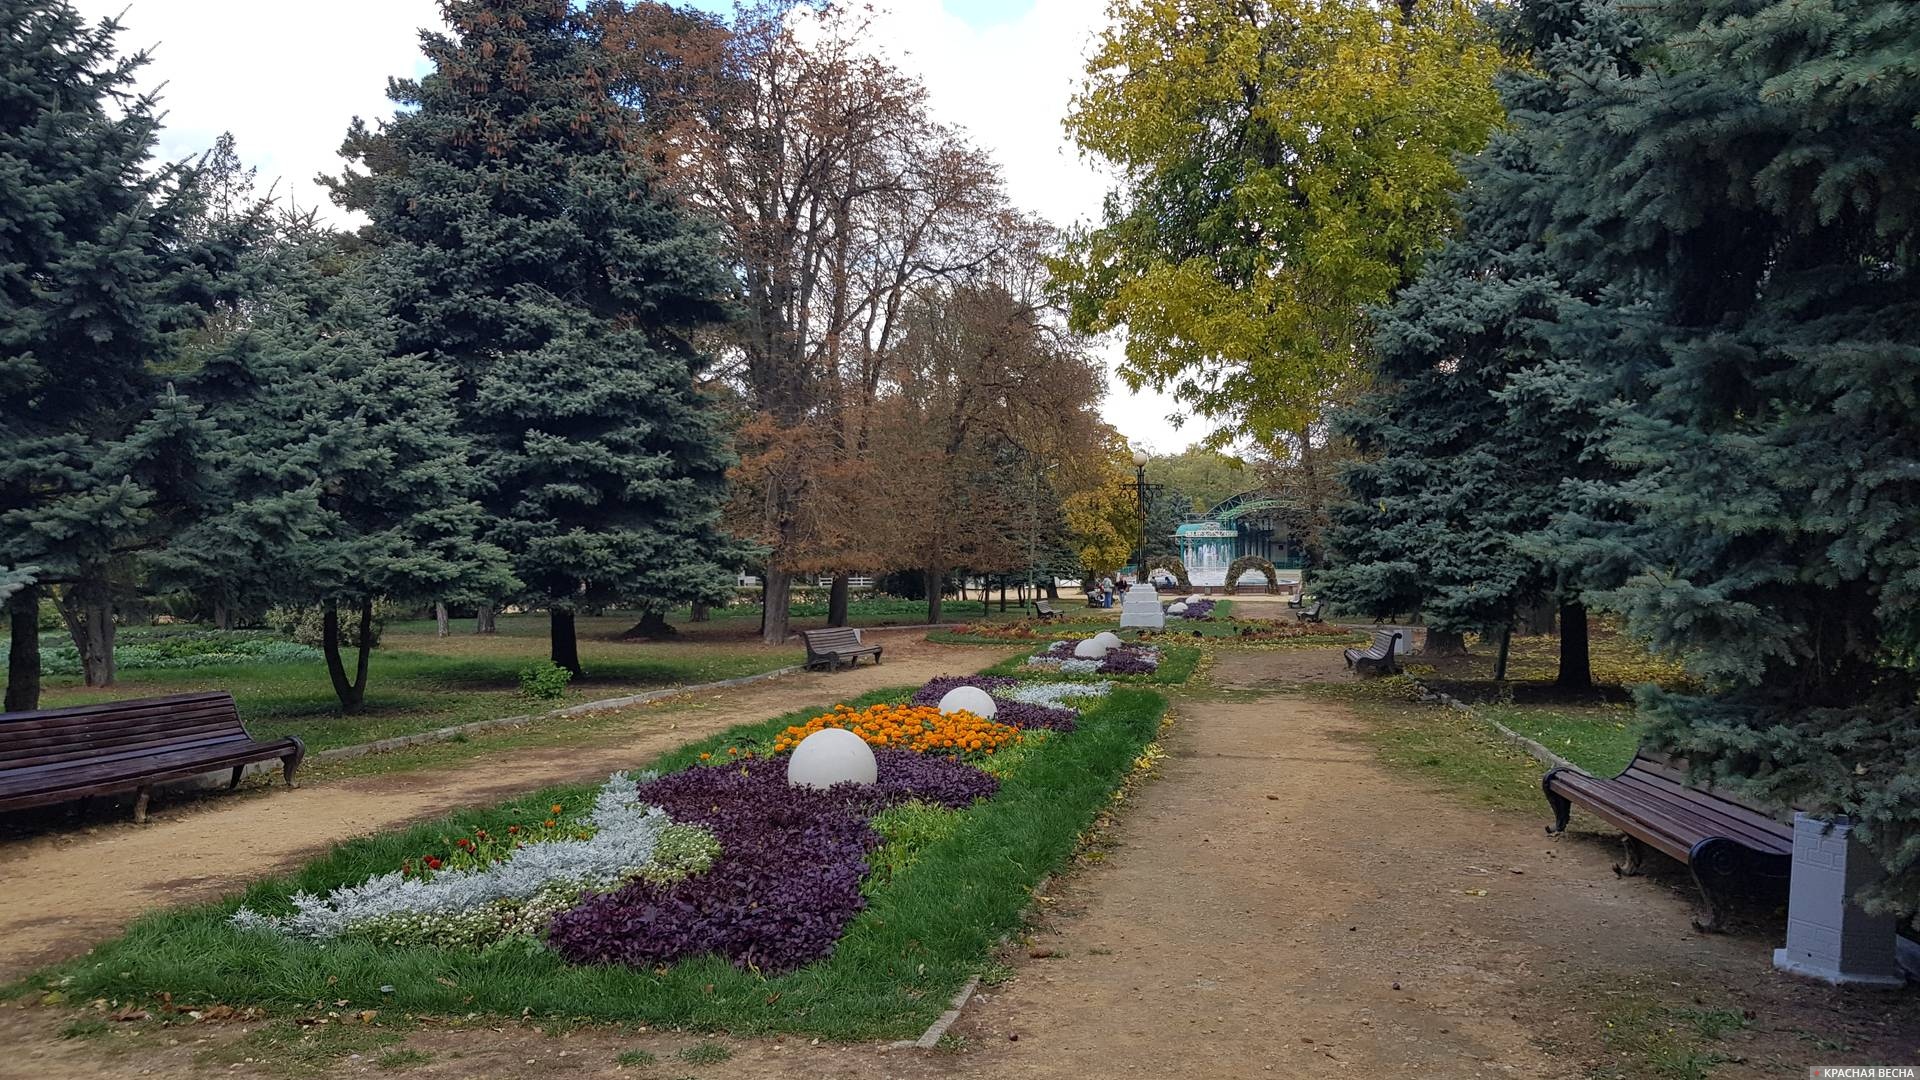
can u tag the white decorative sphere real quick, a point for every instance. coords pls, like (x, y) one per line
(1194, 599)
(1108, 640)
(1091, 649)
(1178, 607)
(831, 756)
(970, 699)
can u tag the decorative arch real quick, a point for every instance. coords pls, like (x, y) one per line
(1171, 564)
(1252, 562)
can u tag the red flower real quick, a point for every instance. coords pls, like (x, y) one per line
(433, 863)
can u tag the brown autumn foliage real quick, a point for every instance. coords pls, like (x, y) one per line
(849, 213)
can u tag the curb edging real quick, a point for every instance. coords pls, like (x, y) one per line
(1541, 753)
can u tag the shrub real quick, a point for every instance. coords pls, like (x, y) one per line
(185, 649)
(544, 681)
(303, 624)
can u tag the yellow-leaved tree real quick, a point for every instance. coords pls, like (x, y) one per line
(1284, 165)
(1103, 518)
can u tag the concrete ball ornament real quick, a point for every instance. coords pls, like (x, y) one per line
(1091, 649)
(831, 756)
(1108, 640)
(1179, 608)
(969, 699)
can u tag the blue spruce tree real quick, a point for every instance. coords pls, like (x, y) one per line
(535, 258)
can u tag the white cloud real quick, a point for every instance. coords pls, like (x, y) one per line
(286, 83)
(284, 78)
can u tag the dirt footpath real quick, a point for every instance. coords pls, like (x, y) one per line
(60, 894)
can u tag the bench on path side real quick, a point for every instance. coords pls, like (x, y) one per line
(1317, 613)
(1377, 658)
(1047, 612)
(836, 645)
(1719, 837)
(53, 755)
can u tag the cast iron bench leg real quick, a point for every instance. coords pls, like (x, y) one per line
(235, 782)
(140, 805)
(1630, 865)
(1714, 862)
(1562, 806)
(291, 763)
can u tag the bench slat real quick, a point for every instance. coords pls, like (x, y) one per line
(1714, 820)
(52, 755)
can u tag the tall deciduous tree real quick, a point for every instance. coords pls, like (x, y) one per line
(1284, 166)
(98, 272)
(837, 196)
(980, 394)
(1104, 520)
(534, 255)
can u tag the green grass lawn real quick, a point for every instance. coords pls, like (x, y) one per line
(418, 682)
(1462, 752)
(929, 925)
(1599, 739)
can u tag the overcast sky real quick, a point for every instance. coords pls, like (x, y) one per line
(286, 83)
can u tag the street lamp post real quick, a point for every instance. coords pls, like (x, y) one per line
(1141, 492)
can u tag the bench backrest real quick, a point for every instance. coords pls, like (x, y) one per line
(1043, 607)
(1671, 773)
(53, 739)
(833, 637)
(1384, 641)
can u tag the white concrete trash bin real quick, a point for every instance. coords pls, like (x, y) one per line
(1828, 936)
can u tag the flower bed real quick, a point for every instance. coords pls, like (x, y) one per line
(1198, 609)
(1121, 660)
(1040, 708)
(488, 889)
(789, 881)
(920, 728)
(768, 937)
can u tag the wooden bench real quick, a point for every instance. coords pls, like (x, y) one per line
(1719, 837)
(54, 755)
(1316, 613)
(835, 645)
(1377, 658)
(1047, 612)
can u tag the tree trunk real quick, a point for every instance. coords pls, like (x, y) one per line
(1053, 588)
(1003, 595)
(440, 620)
(483, 619)
(1500, 663)
(351, 692)
(1537, 619)
(87, 608)
(23, 661)
(837, 600)
(566, 645)
(1576, 661)
(701, 613)
(1444, 643)
(936, 592)
(778, 608)
(652, 624)
(222, 615)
